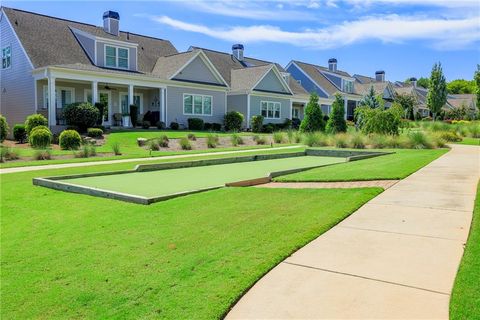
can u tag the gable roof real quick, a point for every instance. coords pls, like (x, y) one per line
(460, 100)
(168, 67)
(50, 41)
(364, 79)
(378, 86)
(247, 79)
(313, 72)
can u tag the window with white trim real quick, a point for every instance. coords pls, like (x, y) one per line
(348, 86)
(116, 57)
(6, 57)
(63, 96)
(270, 109)
(195, 104)
(296, 112)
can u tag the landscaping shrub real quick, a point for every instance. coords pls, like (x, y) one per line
(236, 139)
(257, 123)
(449, 136)
(357, 141)
(101, 111)
(116, 148)
(473, 130)
(191, 136)
(313, 119)
(7, 154)
(233, 121)
(145, 124)
(278, 137)
(133, 115)
(195, 124)
(438, 141)
(418, 140)
(69, 140)
(185, 144)
(216, 126)
(340, 140)
(3, 128)
(291, 136)
(160, 125)
(94, 132)
(163, 141)
(336, 122)
(39, 127)
(297, 137)
(86, 152)
(174, 125)
(207, 126)
(268, 128)
(20, 133)
(260, 139)
(35, 120)
(296, 123)
(40, 138)
(153, 145)
(315, 139)
(81, 114)
(212, 141)
(42, 155)
(377, 120)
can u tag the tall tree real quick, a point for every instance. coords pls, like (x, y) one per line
(371, 100)
(407, 101)
(313, 120)
(461, 86)
(337, 123)
(437, 90)
(423, 82)
(476, 77)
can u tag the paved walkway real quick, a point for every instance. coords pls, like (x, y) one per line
(97, 163)
(395, 258)
(385, 184)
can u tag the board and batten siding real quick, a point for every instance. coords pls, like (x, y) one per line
(175, 105)
(255, 108)
(197, 71)
(16, 83)
(238, 102)
(271, 83)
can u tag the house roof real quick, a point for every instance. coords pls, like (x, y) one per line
(247, 78)
(364, 79)
(167, 66)
(364, 88)
(314, 73)
(460, 100)
(50, 41)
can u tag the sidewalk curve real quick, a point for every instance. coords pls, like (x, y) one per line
(395, 258)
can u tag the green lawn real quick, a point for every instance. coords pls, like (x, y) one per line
(394, 166)
(165, 182)
(74, 256)
(465, 301)
(470, 141)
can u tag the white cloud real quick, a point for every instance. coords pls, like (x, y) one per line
(440, 33)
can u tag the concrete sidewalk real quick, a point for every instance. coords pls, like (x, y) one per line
(395, 258)
(98, 163)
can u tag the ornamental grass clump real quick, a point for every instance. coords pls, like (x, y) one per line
(86, 151)
(438, 141)
(185, 144)
(340, 140)
(42, 155)
(192, 137)
(212, 140)
(278, 137)
(378, 141)
(116, 148)
(419, 140)
(7, 154)
(357, 141)
(259, 139)
(315, 139)
(153, 145)
(235, 139)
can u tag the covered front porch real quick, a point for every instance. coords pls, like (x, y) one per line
(116, 95)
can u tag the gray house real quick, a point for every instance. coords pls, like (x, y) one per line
(326, 82)
(258, 87)
(51, 59)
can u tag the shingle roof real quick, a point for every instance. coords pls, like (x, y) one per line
(317, 76)
(167, 66)
(460, 100)
(364, 79)
(246, 78)
(49, 41)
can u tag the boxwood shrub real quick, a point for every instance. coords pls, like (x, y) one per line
(35, 120)
(94, 132)
(233, 121)
(20, 133)
(81, 114)
(70, 140)
(257, 123)
(195, 124)
(40, 138)
(174, 125)
(3, 128)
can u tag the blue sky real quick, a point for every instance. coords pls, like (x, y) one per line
(402, 37)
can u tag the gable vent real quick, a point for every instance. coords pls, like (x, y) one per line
(111, 22)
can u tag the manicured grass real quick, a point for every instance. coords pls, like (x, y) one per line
(465, 300)
(470, 141)
(394, 166)
(74, 256)
(165, 182)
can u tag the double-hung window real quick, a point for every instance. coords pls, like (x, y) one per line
(197, 104)
(6, 57)
(270, 110)
(348, 86)
(116, 57)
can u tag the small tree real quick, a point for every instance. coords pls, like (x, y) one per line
(437, 91)
(371, 100)
(337, 123)
(407, 101)
(476, 77)
(313, 120)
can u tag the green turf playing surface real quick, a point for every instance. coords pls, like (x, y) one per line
(165, 182)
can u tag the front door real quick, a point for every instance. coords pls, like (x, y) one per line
(105, 97)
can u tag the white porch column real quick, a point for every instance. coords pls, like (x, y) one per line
(52, 102)
(130, 95)
(35, 94)
(162, 105)
(248, 111)
(94, 92)
(345, 103)
(291, 110)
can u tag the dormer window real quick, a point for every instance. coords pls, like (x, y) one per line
(116, 57)
(348, 86)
